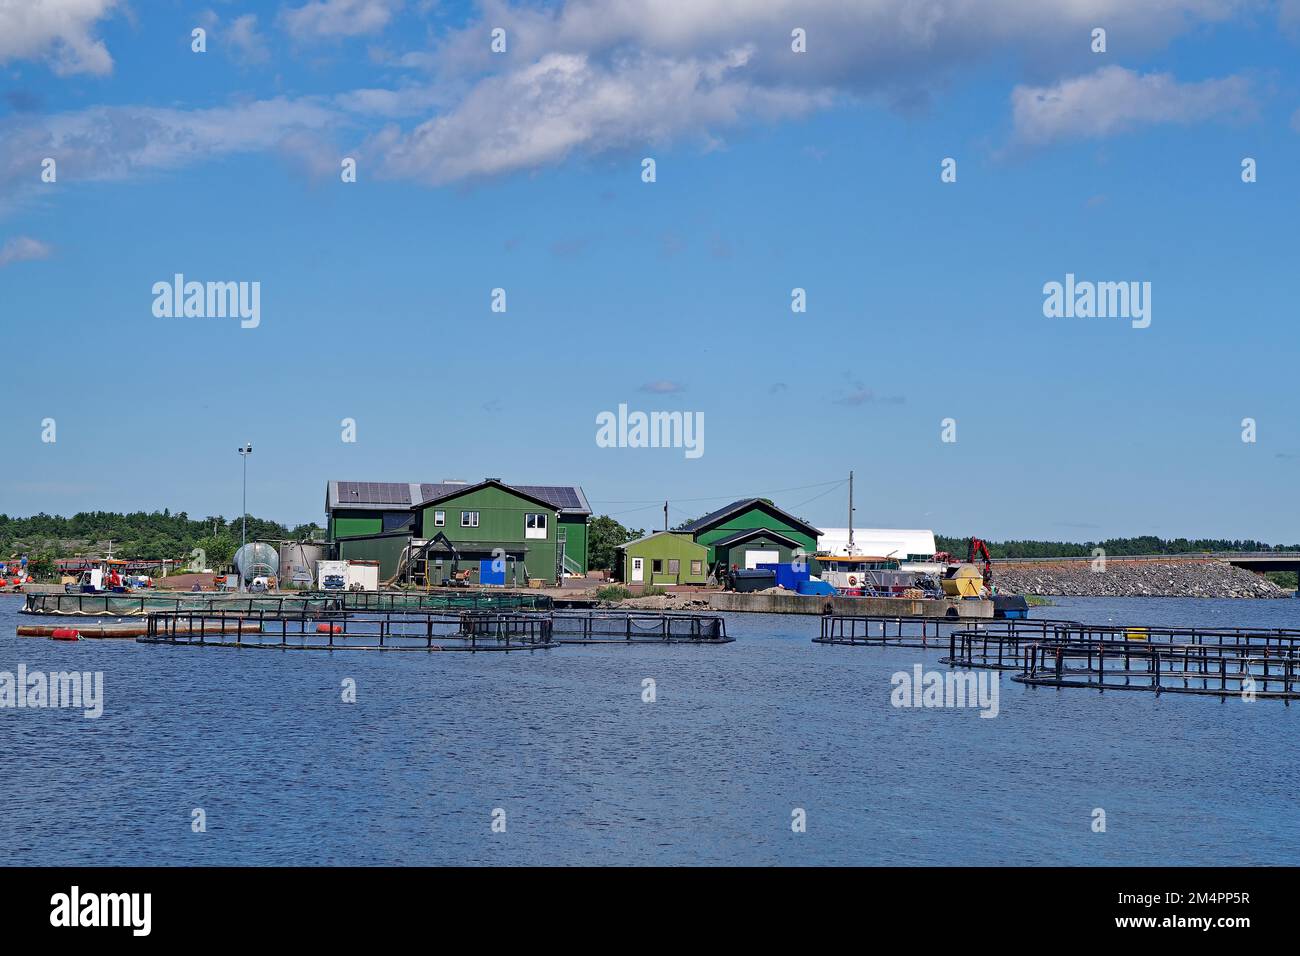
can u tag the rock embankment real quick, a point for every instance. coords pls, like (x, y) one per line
(1198, 579)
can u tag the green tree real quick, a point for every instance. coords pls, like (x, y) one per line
(219, 549)
(604, 535)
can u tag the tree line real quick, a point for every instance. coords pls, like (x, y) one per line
(1114, 547)
(152, 535)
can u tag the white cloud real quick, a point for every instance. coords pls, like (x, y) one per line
(112, 143)
(565, 102)
(1113, 100)
(245, 42)
(58, 32)
(326, 19)
(24, 249)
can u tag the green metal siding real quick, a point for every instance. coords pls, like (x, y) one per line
(387, 550)
(501, 524)
(664, 547)
(575, 538)
(755, 517)
(356, 523)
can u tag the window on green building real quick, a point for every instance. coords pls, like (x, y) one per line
(674, 566)
(697, 567)
(534, 526)
(439, 519)
(469, 519)
(657, 566)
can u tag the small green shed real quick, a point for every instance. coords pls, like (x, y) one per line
(665, 557)
(749, 549)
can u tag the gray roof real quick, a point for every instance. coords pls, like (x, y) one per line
(378, 495)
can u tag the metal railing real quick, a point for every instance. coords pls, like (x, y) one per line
(638, 627)
(354, 630)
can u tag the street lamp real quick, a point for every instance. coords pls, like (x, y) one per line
(244, 451)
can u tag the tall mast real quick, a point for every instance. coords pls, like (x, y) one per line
(850, 512)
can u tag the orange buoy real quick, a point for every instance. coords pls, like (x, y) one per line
(65, 634)
(328, 628)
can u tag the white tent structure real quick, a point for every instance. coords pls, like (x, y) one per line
(897, 543)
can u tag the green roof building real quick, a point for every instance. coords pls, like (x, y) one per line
(750, 532)
(484, 533)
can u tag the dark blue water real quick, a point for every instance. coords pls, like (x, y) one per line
(741, 734)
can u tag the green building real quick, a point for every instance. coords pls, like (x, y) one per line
(484, 533)
(665, 557)
(750, 532)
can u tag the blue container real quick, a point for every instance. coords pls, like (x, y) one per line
(786, 575)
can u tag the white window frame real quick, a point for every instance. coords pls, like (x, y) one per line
(469, 519)
(535, 524)
(440, 519)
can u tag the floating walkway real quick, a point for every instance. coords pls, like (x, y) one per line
(140, 604)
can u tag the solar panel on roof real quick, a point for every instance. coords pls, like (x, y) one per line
(558, 495)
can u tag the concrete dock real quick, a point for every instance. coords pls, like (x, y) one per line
(820, 604)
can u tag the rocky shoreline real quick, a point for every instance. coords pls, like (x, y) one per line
(1194, 579)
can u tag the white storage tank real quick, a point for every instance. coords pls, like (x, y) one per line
(298, 563)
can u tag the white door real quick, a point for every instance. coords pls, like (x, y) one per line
(638, 570)
(754, 558)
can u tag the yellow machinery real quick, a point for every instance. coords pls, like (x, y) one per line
(963, 580)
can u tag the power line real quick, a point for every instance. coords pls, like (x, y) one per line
(731, 496)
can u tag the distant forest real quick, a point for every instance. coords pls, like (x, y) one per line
(158, 534)
(1114, 547)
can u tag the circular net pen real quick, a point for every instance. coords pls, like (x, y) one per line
(354, 630)
(638, 627)
(869, 630)
(1215, 670)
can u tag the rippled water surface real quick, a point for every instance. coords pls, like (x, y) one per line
(739, 735)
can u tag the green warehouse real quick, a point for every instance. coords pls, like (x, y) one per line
(665, 557)
(483, 533)
(750, 532)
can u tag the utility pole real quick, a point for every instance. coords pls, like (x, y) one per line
(665, 516)
(244, 451)
(850, 512)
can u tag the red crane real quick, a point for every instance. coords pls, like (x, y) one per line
(978, 547)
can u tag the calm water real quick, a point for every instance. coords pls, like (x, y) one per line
(288, 774)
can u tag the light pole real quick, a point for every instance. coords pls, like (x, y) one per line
(244, 451)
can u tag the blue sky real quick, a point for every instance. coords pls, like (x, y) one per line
(775, 170)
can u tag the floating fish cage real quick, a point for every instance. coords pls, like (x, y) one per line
(1218, 670)
(638, 627)
(354, 630)
(139, 604)
(1009, 648)
(923, 632)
